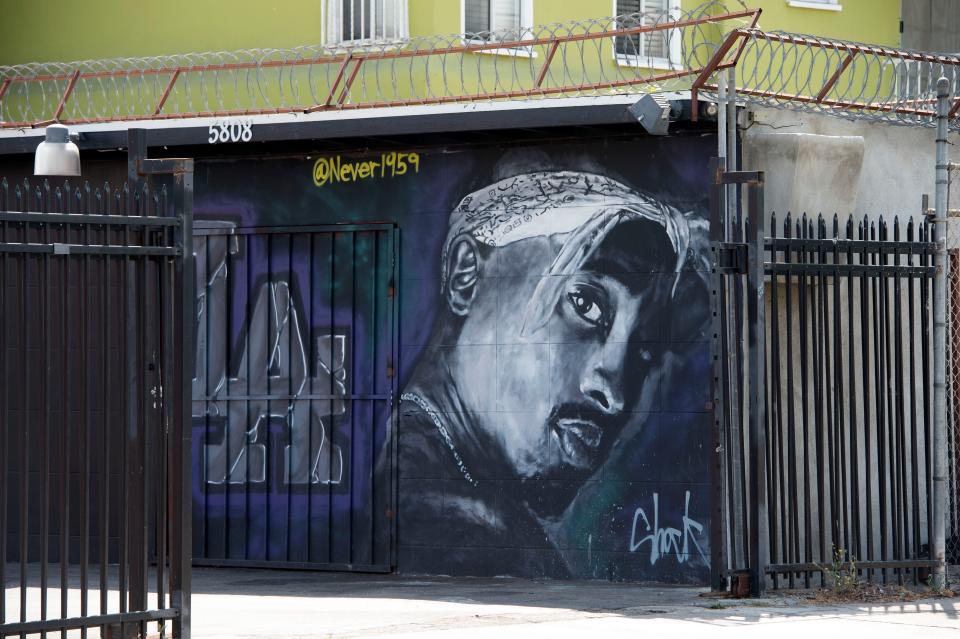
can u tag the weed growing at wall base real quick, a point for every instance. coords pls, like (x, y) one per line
(842, 573)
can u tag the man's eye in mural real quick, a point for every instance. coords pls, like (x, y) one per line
(590, 305)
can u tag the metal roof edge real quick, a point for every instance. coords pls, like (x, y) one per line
(412, 120)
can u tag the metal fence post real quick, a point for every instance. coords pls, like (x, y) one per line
(183, 204)
(184, 298)
(756, 337)
(718, 544)
(135, 438)
(938, 543)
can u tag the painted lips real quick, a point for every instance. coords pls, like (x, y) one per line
(579, 439)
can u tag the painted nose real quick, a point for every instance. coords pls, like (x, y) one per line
(602, 384)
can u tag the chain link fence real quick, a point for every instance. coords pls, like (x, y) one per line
(953, 370)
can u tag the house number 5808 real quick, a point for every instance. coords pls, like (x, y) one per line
(230, 131)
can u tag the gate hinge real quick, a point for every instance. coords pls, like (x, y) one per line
(731, 257)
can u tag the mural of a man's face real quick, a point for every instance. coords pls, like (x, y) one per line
(565, 383)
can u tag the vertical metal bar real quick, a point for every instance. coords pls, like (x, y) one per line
(65, 451)
(718, 380)
(818, 335)
(866, 319)
(145, 326)
(135, 399)
(805, 349)
(882, 400)
(928, 233)
(272, 325)
(126, 371)
(229, 425)
(938, 516)
(249, 377)
(105, 367)
(827, 391)
(45, 430)
(791, 410)
(165, 367)
(26, 456)
(86, 408)
(5, 384)
(775, 488)
(843, 523)
(313, 360)
(290, 390)
(737, 229)
(733, 159)
(353, 384)
(374, 295)
(394, 390)
(912, 375)
(889, 390)
(332, 318)
(205, 384)
(757, 419)
(183, 204)
(202, 378)
(169, 378)
(854, 543)
(903, 518)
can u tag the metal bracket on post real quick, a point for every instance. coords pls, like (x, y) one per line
(732, 258)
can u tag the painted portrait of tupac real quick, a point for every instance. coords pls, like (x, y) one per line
(551, 284)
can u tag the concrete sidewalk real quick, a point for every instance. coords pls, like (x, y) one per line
(264, 603)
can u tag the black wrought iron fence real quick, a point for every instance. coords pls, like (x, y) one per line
(94, 406)
(824, 395)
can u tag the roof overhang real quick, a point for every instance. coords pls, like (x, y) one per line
(387, 121)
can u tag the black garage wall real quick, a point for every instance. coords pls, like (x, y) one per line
(551, 375)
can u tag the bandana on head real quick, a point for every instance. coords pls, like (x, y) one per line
(585, 207)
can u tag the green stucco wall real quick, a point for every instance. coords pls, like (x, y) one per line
(54, 30)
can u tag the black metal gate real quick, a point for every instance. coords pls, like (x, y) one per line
(822, 395)
(94, 469)
(293, 395)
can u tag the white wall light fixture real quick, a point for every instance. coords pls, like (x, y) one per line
(57, 154)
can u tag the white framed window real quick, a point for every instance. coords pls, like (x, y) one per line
(358, 22)
(655, 49)
(829, 5)
(486, 20)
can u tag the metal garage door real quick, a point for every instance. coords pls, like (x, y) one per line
(292, 398)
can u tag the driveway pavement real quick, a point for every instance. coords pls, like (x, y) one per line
(231, 603)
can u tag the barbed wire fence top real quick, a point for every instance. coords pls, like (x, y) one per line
(842, 78)
(602, 56)
(621, 55)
